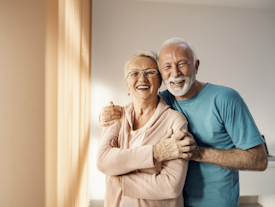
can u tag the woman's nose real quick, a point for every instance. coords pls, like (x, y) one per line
(142, 76)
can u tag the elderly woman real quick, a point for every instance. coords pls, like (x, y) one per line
(131, 180)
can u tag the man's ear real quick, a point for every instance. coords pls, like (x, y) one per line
(197, 65)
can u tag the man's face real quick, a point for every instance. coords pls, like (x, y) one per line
(177, 68)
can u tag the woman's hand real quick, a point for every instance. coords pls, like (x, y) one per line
(117, 180)
(174, 146)
(109, 114)
(114, 143)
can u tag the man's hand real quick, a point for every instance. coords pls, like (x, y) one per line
(117, 180)
(109, 114)
(190, 148)
(180, 145)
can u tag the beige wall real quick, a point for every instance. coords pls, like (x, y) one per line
(22, 37)
(236, 48)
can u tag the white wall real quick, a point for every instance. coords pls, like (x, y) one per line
(236, 48)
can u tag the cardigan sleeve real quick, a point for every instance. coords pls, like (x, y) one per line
(166, 185)
(118, 161)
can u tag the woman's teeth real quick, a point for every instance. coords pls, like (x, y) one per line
(143, 87)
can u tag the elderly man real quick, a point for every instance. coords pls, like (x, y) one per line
(225, 137)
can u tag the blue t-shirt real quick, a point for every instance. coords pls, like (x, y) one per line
(217, 118)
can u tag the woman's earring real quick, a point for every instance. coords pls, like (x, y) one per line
(128, 93)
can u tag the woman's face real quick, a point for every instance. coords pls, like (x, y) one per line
(143, 88)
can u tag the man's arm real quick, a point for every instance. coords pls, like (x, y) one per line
(187, 148)
(235, 159)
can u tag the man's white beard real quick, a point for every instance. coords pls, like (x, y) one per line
(187, 84)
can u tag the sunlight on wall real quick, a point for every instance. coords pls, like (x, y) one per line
(100, 97)
(97, 179)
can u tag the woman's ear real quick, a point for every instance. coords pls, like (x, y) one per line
(128, 88)
(160, 80)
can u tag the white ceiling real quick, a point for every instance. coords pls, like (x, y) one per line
(260, 4)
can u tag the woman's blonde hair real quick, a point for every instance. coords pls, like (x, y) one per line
(141, 53)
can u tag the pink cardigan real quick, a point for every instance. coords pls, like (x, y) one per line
(152, 185)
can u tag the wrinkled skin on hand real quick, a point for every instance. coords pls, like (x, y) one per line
(174, 146)
(109, 114)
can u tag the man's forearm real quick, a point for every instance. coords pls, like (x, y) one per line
(234, 159)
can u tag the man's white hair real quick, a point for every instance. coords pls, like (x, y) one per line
(141, 53)
(177, 40)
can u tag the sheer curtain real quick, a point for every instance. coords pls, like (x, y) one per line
(67, 100)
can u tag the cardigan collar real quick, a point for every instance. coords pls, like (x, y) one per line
(161, 107)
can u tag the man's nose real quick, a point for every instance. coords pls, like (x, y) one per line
(175, 72)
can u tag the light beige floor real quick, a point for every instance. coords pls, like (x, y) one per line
(99, 203)
(250, 205)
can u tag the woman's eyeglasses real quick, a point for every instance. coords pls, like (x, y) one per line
(149, 73)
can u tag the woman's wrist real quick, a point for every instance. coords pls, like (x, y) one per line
(156, 154)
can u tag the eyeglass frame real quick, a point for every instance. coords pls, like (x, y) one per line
(142, 71)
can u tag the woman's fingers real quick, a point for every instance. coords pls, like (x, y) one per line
(114, 143)
(187, 141)
(188, 146)
(179, 135)
(180, 145)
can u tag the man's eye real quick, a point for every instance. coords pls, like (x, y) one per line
(166, 67)
(182, 64)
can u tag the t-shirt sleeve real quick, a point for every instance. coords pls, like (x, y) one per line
(166, 96)
(240, 124)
